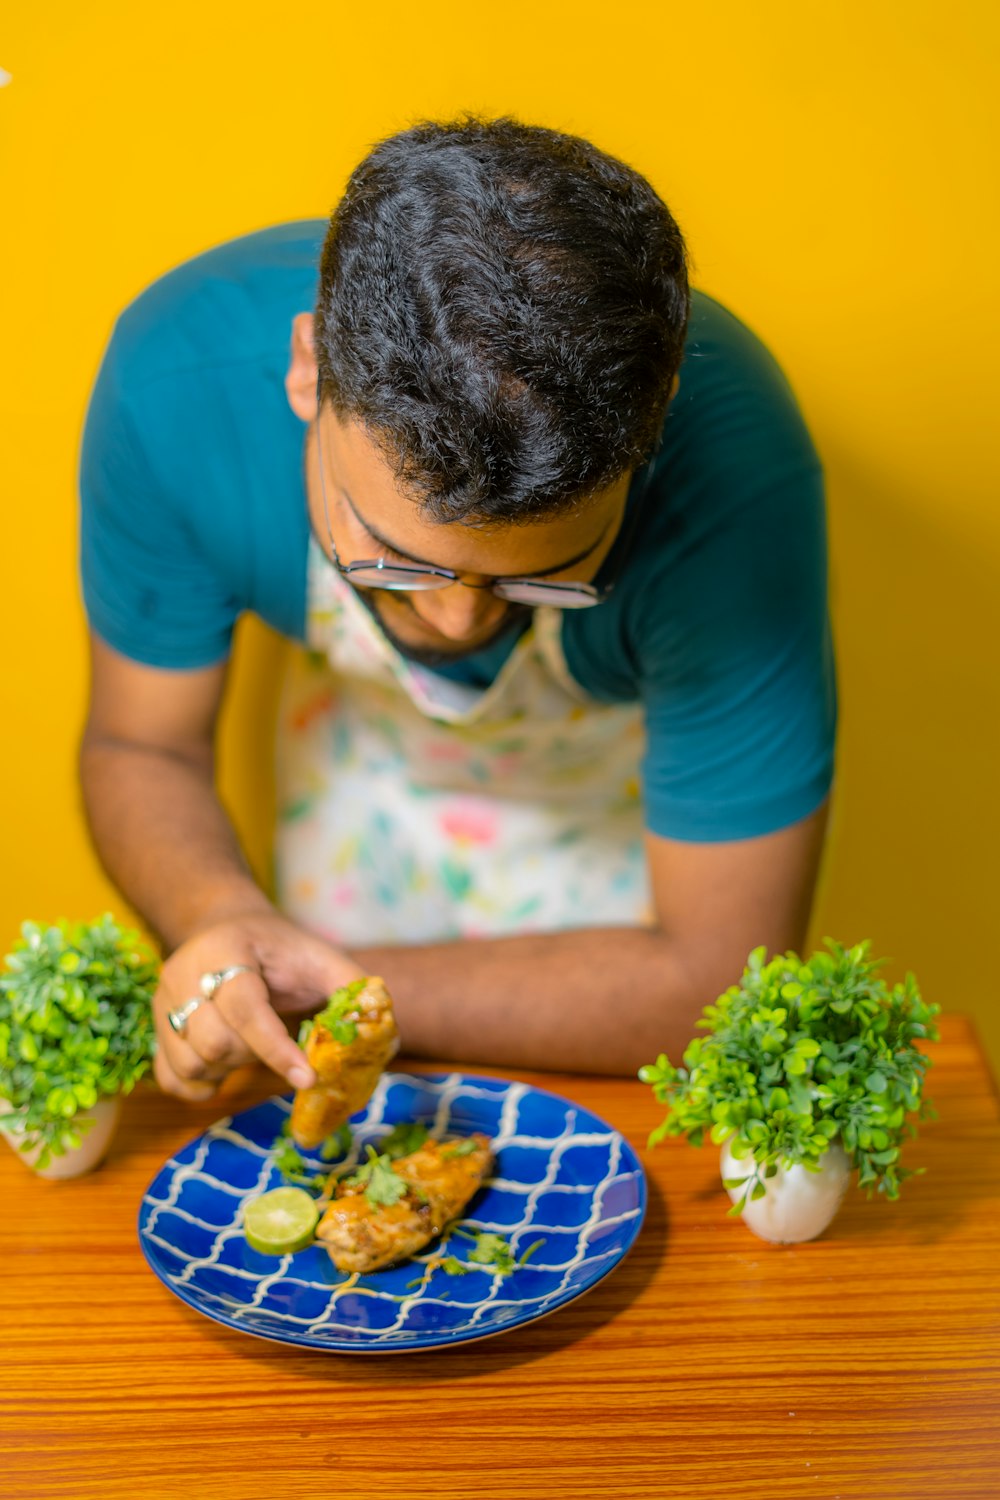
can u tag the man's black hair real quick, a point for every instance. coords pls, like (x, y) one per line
(504, 308)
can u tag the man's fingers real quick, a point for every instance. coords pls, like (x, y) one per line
(240, 1022)
(246, 1008)
(182, 1088)
(209, 1048)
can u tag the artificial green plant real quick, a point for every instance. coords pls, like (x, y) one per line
(799, 1054)
(75, 1027)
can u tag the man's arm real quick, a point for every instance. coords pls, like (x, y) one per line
(147, 773)
(147, 768)
(606, 1000)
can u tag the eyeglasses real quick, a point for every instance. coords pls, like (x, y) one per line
(419, 578)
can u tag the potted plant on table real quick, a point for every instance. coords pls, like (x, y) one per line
(809, 1070)
(76, 1033)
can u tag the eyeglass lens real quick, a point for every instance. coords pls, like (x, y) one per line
(413, 580)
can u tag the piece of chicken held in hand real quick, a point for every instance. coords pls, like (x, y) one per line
(348, 1046)
(389, 1211)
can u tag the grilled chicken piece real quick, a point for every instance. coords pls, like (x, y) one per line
(441, 1178)
(348, 1069)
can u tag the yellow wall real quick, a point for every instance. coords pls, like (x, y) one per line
(834, 168)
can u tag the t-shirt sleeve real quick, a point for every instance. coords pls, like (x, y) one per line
(736, 669)
(148, 588)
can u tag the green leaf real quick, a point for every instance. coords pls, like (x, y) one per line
(461, 1148)
(493, 1250)
(807, 1046)
(403, 1139)
(382, 1187)
(798, 1053)
(337, 1144)
(341, 1013)
(452, 1266)
(288, 1160)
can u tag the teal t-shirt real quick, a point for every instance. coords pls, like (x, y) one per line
(193, 510)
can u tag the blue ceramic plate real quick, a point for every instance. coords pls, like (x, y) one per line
(562, 1176)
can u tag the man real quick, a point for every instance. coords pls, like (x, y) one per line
(559, 753)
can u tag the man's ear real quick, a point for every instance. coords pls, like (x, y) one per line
(675, 387)
(300, 382)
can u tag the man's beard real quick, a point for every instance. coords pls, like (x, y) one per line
(516, 617)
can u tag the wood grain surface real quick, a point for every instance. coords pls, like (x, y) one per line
(865, 1364)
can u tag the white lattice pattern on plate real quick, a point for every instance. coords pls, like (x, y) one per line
(562, 1177)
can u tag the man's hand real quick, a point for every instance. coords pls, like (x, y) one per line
(294, 972)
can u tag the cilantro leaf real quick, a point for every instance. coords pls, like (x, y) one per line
(287, 1159)
(494, 1251)
(402, 1139)
(452, 1266)
(461, 1148)
(377, 1176)
(337, 1144)
(340, 1015)
(343, 1032)
(294, 1168)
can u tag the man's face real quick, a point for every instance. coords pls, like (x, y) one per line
(371, 516)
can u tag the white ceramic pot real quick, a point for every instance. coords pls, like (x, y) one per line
(79, 1159)
(797, 1204)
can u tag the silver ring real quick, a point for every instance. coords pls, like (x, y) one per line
(209, 983)
(179, 1018)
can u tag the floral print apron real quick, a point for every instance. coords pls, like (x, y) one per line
(415, 809)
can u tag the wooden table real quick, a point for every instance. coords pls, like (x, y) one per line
(709, 1364)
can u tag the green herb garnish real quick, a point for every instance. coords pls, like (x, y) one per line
(339, 1017)
(404, 1138)
(452, 1266)
(382, 1186)
(461, 1148)
(294, 1168)
(337, 1144)
(287, 1159)
(449, 1264)
(492, 1253)
(493, 1250)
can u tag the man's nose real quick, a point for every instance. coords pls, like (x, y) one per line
(459, 611)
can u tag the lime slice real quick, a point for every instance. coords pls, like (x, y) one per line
(281, 1221)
